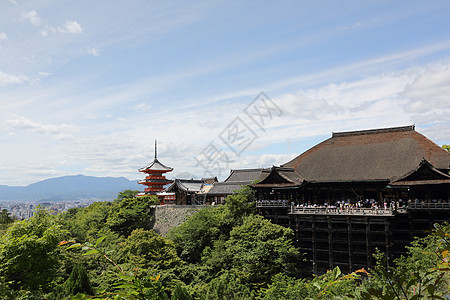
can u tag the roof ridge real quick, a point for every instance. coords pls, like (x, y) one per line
(374, 131)
(248, 170)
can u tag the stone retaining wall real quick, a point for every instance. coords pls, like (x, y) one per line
(168, 216)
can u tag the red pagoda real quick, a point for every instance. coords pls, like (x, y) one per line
(155, 179)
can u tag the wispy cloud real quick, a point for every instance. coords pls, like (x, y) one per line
(3, 36)
(44, 74)
(92, 51)
(58, 131)
(70, 27)
(6, 79)
(33, 17)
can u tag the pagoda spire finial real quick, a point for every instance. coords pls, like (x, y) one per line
(155, 149)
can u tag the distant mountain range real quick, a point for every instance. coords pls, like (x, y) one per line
(67, 188)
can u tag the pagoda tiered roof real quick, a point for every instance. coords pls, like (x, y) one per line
(157, 166)
(155, 180)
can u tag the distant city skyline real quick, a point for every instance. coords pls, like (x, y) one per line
(86, 87)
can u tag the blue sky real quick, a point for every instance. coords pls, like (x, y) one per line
(87, 86)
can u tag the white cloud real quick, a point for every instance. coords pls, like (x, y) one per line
(439, 132)
(33, 17)
(430, 90)
(71, 27)
(58, 131)
(44, 32)
(6, 79)
(3, 36)
(93, 52)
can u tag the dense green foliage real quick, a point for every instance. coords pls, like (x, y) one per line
(222, 252)
(29, 254)
(78, 281)
(147, 250)
(129, 214)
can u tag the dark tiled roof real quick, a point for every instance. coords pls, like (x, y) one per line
(236, 180)
(247, 175)
(186, 185)
(369, 155)
(281, 177)
(226, 188)
(420, 182)
(424, 171)
(290, 175)
(155, 165)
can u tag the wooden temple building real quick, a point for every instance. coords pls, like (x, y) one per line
(155, 179)
(188, 191)
(234, 182)
(358, 191)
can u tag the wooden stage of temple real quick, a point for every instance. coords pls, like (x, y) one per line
(348, 238)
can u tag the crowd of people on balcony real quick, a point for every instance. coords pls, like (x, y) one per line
(350, 205)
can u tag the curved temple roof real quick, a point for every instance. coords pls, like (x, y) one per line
(155, 165)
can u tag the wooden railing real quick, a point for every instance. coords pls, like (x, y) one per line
(272, 203)
(429, 206)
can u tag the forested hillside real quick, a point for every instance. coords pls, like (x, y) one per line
(109, 251)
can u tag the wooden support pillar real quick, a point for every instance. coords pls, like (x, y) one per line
(330, 243)
(314, 248)
(368, 252)
(411, 227)
(387, 235)
(349, 241)
(297, 229)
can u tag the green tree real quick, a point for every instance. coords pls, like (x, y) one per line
(227, 287)
(126, 194)
(136, 285)
(5, 220)
(285, 287)
(446, 147)
(240, 204)
(87, 223)
(197, 233)
(180, 293)
(78, 282)
(29, 252)
(5, 217)
(148, 250)
(258, 249)
(129, 214)
(211, 224)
